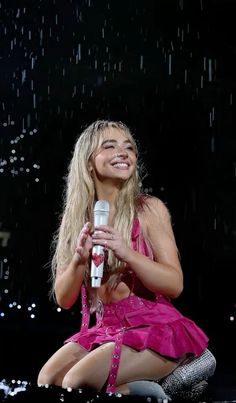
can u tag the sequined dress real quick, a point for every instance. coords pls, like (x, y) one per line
(140, 323)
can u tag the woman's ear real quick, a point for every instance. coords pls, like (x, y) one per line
(90, 166)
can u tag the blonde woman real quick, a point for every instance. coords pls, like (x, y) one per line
(139, 334)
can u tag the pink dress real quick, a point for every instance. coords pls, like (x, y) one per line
(140, 323)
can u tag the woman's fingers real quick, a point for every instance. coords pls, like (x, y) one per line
(111, 239)
(83, 242)
(104, 231)
(84, 232)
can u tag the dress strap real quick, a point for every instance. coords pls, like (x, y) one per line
(85, 310)
(138, 242)
(115, 361)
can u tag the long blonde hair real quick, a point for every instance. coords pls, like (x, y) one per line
(80, 195)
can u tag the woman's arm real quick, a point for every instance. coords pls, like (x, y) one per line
(69, 280)
(165, 276)
(164, 273)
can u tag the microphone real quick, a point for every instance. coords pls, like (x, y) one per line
(101, 215)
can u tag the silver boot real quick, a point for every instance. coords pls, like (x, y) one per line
(189, 380)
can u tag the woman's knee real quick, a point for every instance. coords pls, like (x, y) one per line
(44, 377)
(73, 381)
(88, 373)
(49, 376)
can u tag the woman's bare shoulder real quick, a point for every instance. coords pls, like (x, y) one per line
(153, 205)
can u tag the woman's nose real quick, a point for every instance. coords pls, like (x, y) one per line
(120, 152)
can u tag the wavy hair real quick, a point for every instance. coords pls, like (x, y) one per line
(79, 198)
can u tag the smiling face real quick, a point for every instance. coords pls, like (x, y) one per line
(115, 158)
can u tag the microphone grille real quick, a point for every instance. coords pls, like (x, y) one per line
(101, 205)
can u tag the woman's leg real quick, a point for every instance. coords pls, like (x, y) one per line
(54, 370)
(92, 371)
(152, 366)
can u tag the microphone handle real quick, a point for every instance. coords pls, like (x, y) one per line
(97, 264)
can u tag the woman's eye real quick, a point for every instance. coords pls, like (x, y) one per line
(108, 146)
(130, 148)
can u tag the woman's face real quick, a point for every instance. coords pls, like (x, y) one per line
(115, 159)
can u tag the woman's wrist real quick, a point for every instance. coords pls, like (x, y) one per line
(77, 261)
(76, 258)
(129, 257)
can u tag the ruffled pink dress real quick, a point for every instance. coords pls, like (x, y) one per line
(140, 323)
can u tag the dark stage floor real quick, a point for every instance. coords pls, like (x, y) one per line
(22, 392)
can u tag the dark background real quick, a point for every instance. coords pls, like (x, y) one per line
(167, 69)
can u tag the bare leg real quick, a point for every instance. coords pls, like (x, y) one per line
(144, 364)
(54, 370)
(93, 369)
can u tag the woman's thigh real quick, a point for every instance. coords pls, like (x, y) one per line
(54, 370)
(144, 364)
(93, 369)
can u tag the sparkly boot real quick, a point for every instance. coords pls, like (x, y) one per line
(189, 380)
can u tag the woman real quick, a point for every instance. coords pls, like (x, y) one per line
(138, 333)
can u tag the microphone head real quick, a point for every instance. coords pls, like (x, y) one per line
(101, 206)
(101, 212)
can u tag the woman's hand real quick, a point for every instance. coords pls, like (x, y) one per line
(110, 238)
(84, 244)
